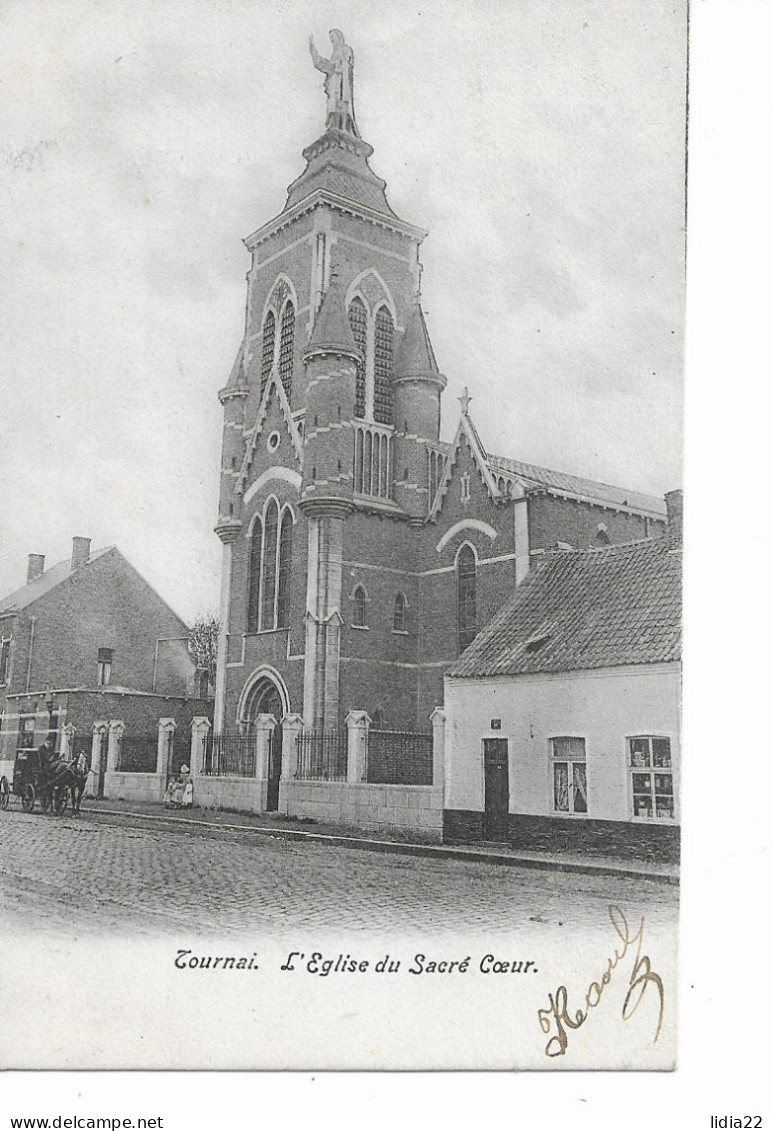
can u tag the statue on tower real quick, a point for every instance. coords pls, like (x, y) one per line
(339, 82)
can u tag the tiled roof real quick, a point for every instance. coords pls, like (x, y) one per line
(560, 481)
(585, 609)
(52, 577)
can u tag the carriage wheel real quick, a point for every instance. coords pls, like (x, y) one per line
(4, 792)
(28, 798)
(59, 801)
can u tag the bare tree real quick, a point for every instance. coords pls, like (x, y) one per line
(202, 644)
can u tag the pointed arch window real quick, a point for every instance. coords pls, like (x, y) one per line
(466, 597)
(267, 351)
(287, 348)
(360, 614)
(399, 619)
(285, 569)
(267, 619)
(383, 365)
(255, 563)
(358, 320)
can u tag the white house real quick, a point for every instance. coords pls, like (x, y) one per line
(562, 717)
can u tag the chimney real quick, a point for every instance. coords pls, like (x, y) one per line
(35, 566)
(81, 547)
(674, 510)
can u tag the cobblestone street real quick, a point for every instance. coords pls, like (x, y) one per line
(120, 874)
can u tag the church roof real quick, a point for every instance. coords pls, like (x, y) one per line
(561, 481)
(416, 355)
(338, 163)
(585, 609)
(331, 326)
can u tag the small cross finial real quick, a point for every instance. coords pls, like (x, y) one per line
(464, 401)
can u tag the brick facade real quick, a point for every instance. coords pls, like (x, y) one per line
(312, 446)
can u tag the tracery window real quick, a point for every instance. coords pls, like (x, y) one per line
(267, 353)
(359, 614)
(383, 364)
(285, 568)
(286, 350)
(253, 592)
(269, 565)
(466, 597)
(358, 320)
(399, 617)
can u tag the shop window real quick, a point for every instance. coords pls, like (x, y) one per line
(570, 775)
(652, 779)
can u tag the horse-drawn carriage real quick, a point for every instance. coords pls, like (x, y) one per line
(52, 786)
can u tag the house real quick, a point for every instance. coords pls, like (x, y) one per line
(362, 554)
(563, 716)
(86, 642)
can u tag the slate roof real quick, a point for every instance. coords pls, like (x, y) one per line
(52, 577)
(561, 481)
(331, 326)
(584, 609)
(338, 162)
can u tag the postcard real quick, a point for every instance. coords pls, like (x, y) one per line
(340, 603)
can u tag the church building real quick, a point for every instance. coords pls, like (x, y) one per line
(362, 554)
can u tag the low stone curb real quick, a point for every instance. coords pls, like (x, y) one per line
(665, 874)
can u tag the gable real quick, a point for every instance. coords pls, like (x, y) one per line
(274, 440)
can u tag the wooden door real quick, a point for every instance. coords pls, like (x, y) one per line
(497, 788)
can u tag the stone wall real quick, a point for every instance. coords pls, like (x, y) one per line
(414, 809)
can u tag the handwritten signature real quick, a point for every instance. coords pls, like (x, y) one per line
(642, 976)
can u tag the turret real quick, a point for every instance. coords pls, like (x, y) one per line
(417, 385)
(331, 359)
(232, 398)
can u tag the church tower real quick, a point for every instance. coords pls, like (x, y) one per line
(333, 397)
(362, 554)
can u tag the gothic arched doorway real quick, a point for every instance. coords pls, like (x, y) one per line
(265, 699)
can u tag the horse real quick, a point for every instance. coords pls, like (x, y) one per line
(80, 771)
(68, 775)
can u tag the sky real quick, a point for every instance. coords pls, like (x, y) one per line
(541, 143)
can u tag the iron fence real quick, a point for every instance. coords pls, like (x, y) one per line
(322, 755)
(138, 754)
(399, 757)
(229, 755)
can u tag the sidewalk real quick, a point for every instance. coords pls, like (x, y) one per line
(340, 836)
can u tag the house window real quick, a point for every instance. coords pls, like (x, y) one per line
(467, 612)
(286, 348)
(253, 597)
(464, 487)
(358, 320)
(285, 567)
(267, 352)
(379, 719)
(5, 658)
(359, 615)
(104, 666)
(570, 775)
(399, 619)
(652, 779)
